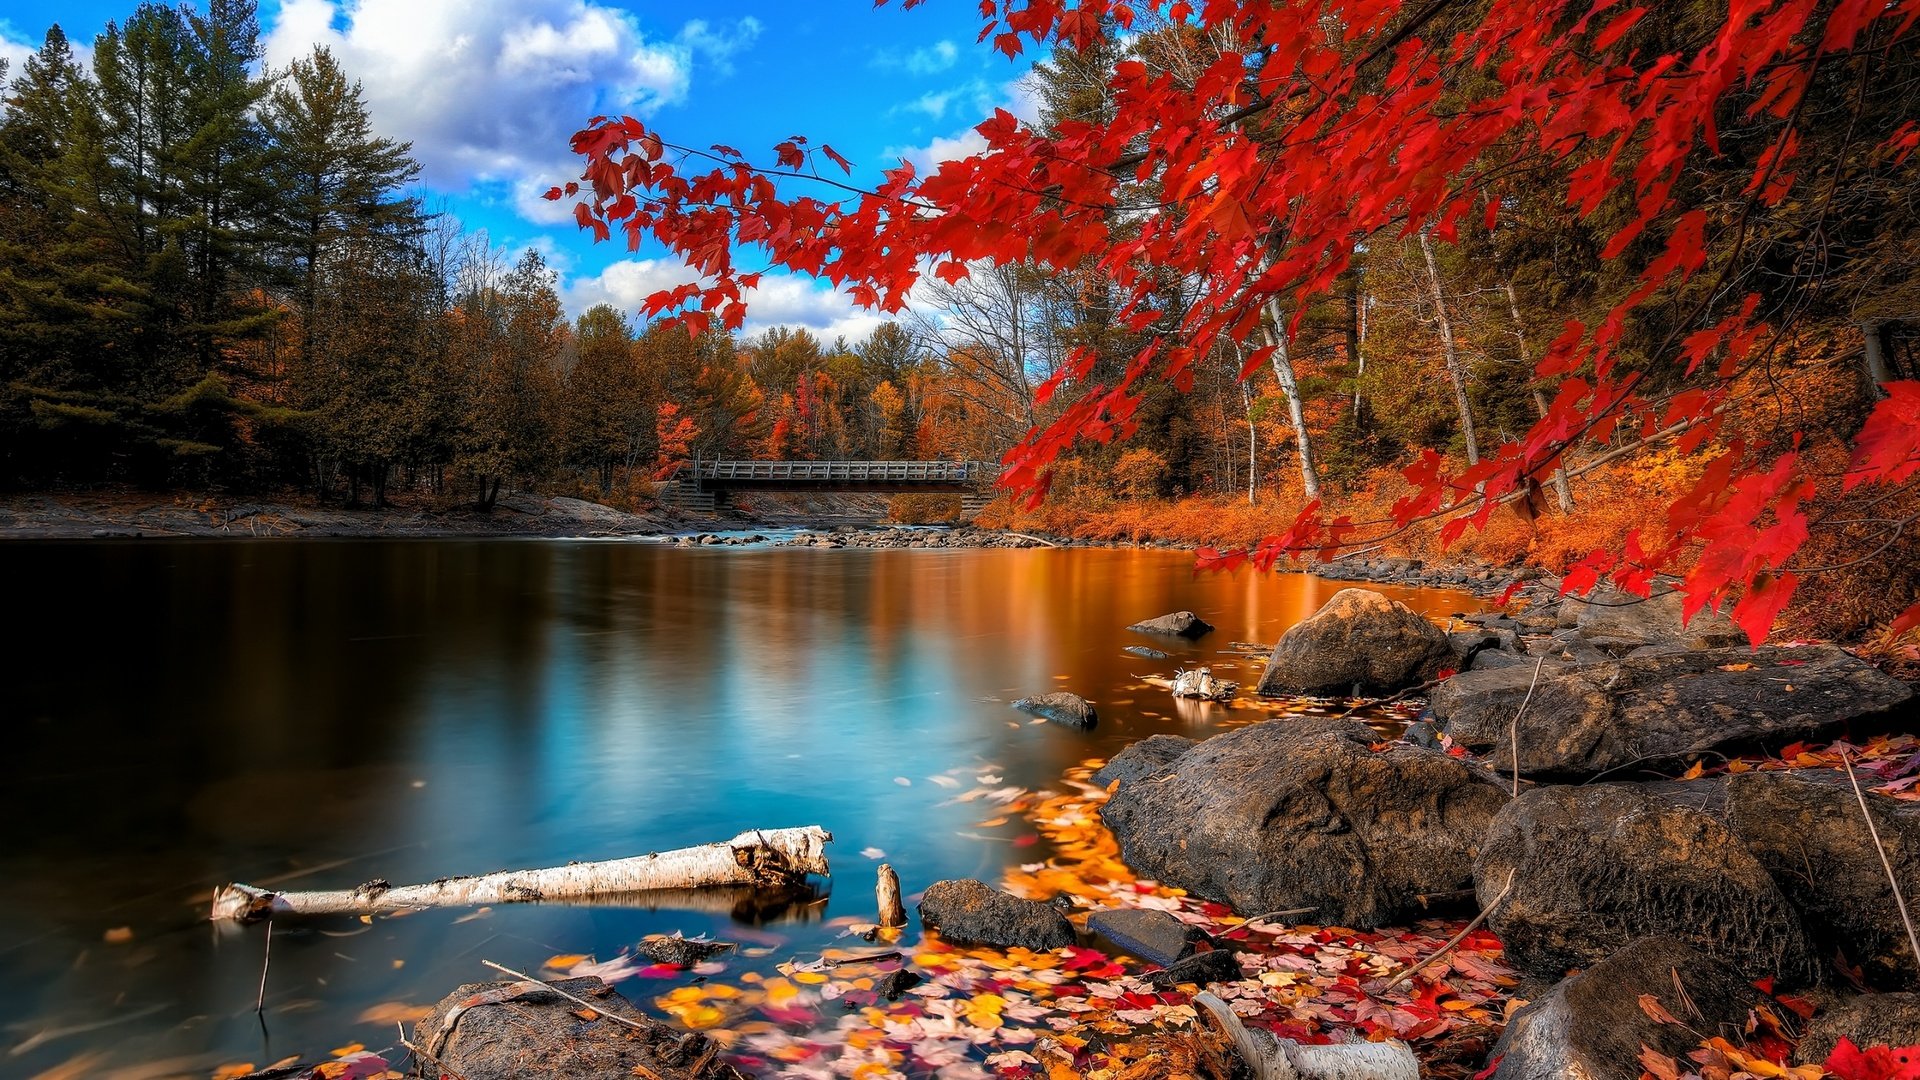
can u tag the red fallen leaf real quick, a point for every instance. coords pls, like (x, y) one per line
(1492, 1067)
(1798, 1005)
(1456, 751)
(1849, 1062)
(1765, 985)
(1028, 840)
(1445, 673)
(1507, 595)
(1655, 1011)
(1656, 1064)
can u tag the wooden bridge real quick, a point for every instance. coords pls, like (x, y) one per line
(705, 485)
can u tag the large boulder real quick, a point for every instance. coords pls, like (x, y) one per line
(972, 913)
(1358, 642)
(1617, 622)
(1148, 757)
(1306, 813)
(1805, 827)
(1593, 868)
(1182, 624)
(1070, 710)
(1592, 1026)
(1659, 709)
(1869, 1020)
(508, 1031)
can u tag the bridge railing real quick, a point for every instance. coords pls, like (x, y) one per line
(941, 472)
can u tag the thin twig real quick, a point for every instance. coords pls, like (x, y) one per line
(580, 1001)
(266, 959)
(1456, 939)
(1515, 725)
(1411, 691)
(1913, 941)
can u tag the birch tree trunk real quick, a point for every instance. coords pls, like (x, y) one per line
(1452, 355)
(1290, 386)
(761, 857)
(1561, 489)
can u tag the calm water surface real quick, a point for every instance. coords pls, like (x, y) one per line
(313, 714)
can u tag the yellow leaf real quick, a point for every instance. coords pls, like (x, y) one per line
(350, 1048)
(119, 935)
(566, 961)
(228, 1072)
(1694, 773)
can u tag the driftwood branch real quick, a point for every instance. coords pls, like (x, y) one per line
(1271, 1058)
(770, 857)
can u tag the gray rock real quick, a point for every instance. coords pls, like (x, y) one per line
(1202, 969)
(1592, 868)
(1145, 653)
(1617, 622)
(1179, 624)
(969, 912)
(1148, 757)
(1467, 644)
(1154, 936)
(1359, 641)
(1805, 827)
(1071, 710)
(1869, 1020)
(1659, 710)
(538, 1035)
(1304, 813)
(1591, 1026)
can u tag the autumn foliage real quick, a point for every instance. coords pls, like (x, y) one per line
(1323, 127)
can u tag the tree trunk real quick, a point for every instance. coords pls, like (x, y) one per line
(1561, 489)
(1452, 355)
(769, 857)
(1874, 357)
(1296, 412)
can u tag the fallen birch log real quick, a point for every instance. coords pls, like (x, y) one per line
(762, 857)
(1273, 1058)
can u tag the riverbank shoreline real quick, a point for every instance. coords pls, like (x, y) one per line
(123, 515)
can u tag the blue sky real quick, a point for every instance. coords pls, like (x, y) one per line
(489, 93)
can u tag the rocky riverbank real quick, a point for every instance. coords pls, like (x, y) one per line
(125, 515)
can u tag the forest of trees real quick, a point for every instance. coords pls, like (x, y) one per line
(213, 274)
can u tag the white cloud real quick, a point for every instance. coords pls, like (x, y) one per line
(780, 300)
(14, 49)
(489, 93)
(926, 60)
(1017, 97)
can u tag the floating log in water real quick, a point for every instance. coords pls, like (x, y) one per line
(761, 857)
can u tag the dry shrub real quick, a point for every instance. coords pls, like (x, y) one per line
(1140, 474)
(923, 509)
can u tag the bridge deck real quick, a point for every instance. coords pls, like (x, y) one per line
(838, 475)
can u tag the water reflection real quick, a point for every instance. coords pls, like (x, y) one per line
(311, 713)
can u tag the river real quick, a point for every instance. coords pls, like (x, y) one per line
(314, 714)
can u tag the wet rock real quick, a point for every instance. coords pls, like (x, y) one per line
(1072, 710)
(1656, 710)
(1304, 813)
(970, 912)
(897, 982)
(681, 951)
(491, 1031)
(1869, 1020)
(1592, 1027)
(1805, 828)
(1616, 622)
(1592, 868)
(1151, 755)
(1179, 624)
(1202, 969)
(1468, 644)
(1145, 653)
(1358, 641)
(1151, 935)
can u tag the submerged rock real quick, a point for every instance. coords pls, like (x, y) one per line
(509, 1031)
(1304, 813)
(1805, 827)
(1145, 653)
(1061, 708)
(970, 912)
(1591, 1026)
(1358, 642)
(1869, 1020)
(1179, 624)
(1593, 868)
(1658, 709)
(1151, 935)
